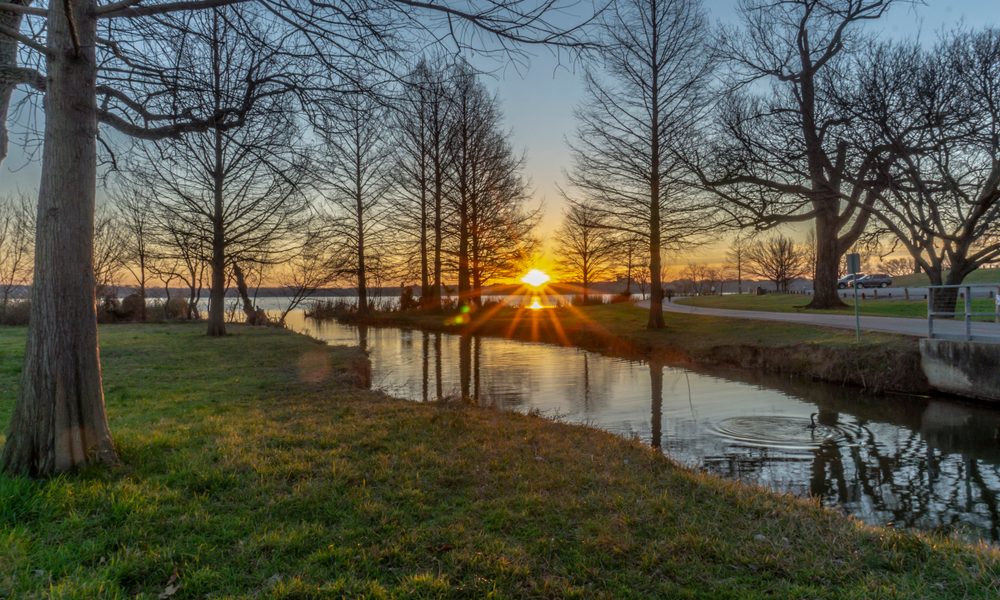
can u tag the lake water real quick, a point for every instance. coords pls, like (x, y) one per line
(923, 463)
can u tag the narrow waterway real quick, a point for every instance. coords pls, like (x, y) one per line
(929, 464)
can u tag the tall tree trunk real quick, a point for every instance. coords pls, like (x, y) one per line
(8, 59)
(438, 234)
(656, 292)
(425, 282)
(217, 293)
(628, 274)
(828, 253)
(142, 286)
(360, 224)
(463, 253)
(59, 420)
(946, 299)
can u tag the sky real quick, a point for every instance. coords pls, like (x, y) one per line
(538, 102)
(539, 105)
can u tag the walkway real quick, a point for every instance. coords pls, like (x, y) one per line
(900, 325)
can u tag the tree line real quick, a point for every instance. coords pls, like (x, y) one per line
(794, 114)
(218, 96)
(416, 180)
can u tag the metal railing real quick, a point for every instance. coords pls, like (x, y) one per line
(990, 291)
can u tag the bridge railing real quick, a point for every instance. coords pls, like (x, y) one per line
(964, 292)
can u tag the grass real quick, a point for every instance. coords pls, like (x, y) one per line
(920, 279)
(796, 303)
(251, 467)
(625, 321)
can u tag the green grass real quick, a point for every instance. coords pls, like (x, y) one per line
(796, 303)
(251, 467)
(920, 279)
(626, 321)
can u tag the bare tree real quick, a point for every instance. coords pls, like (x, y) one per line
(316, 265)
(17, 226)
(109, 252)
(181, 254)
(630, 251)
(777, 259)
(737, 256)
(656, 68)
(896, 267)
(642, 277)
(136, 222)
(697, 276)
(492, 228)
(356, 153)
(423, 159)
(941, 109)
(240, 188)
(586, 247)
(787, 154)
(59, 420)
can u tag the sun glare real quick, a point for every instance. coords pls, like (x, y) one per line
(536, 303)
(535, 278)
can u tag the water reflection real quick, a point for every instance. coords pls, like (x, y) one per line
(921, 463)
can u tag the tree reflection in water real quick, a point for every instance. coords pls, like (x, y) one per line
(932, 465)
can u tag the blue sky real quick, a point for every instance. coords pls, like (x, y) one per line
(539, 106)
(538, 102)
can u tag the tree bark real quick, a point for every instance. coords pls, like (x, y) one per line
(217, 294)
(8, 59)
(359, 212)
(656, 293)
(438, 234)
(59, 420)
(425, 280)
(828, 253)
(463, 254)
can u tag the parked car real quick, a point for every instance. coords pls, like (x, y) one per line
(875, 280)
(845, 282)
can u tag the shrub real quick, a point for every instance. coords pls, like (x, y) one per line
(131, 307)
(175, 308)
(407, 301)
(16, 312)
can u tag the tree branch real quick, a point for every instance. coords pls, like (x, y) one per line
(18, 37)
(129, 9)
(22, 9)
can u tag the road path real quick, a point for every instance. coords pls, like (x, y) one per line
(900, 325)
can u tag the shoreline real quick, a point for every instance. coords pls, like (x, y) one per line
(889, 364)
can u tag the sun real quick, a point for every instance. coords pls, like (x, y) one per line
(535, 278)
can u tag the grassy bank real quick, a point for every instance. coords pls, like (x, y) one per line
(895, 307)
(253, 468)
(881, 362)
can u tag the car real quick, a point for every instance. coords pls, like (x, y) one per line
(879, 280)
(845, 282)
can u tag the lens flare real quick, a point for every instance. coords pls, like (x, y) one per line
(535, 278)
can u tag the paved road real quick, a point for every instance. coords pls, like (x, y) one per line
(904, 326)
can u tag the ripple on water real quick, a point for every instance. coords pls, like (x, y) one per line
(788, 433)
